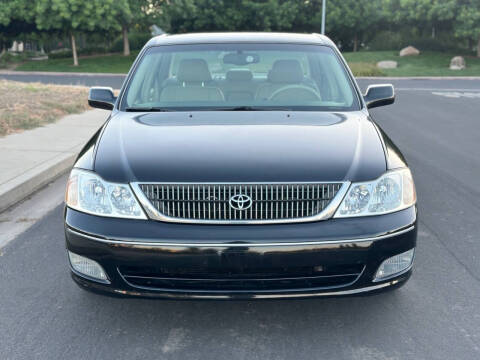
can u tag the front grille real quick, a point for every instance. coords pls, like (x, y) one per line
(241, 279)
(260, 202)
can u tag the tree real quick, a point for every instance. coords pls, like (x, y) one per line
(16, 18)
(352, 21)
(461, 17)
(5, 20)
(425, 16)
(467, 23)
(227, 15)
(132, 13)
(77, 16)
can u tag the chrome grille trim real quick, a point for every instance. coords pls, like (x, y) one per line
(272, 202)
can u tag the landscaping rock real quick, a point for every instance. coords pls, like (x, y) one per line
(409, 51)
(387, 64)
(457, 63)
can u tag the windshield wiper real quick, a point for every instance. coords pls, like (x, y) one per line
(147, 109)
(252, 108)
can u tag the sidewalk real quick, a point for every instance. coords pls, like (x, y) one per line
(33, 158)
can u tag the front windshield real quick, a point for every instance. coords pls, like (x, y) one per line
(240, 77)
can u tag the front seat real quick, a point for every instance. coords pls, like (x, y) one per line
(284, 73)
(194, 83)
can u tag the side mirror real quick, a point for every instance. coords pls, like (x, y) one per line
(101, 98)
(379, 95)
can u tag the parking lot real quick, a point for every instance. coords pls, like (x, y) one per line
(436, 124)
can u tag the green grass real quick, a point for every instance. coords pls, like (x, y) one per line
(114, 63)
(425, 64)
(363, 63)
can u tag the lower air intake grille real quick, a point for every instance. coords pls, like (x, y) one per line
(239, 202)
(241, 279)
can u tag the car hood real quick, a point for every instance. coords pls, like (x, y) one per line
(221, 146)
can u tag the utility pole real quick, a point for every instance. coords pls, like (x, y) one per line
(323, 16)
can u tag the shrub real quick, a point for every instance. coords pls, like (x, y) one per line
(9, 58)
(396, 40)
(90, 50)
(365, 69)
(136, 40)
(440, 43)
(386, 40)
(60, 54)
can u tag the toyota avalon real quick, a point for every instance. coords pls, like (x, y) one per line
(240, 165)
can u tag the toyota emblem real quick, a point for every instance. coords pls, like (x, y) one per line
(240, 202)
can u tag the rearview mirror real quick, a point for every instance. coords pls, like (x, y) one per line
(379, 95)
(241, 58)
(101, 98)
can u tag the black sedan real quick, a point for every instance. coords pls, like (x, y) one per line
(240, 165)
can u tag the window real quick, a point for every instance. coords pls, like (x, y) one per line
(227, 76)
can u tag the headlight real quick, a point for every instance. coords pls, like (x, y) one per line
(391, 192)
(89, 193)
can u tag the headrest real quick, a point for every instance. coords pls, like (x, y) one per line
(193, 70)
(239, 75)
(286, 71)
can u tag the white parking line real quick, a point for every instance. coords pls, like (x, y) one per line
(457, 94)
(435, 89)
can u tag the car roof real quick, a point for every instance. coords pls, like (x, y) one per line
(240, 37)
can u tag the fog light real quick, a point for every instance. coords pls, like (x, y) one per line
(87, 267)
(395, 265)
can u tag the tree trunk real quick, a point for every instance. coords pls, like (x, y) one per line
(478, 47)
(355, 43)
(126, 44)
(74, 50)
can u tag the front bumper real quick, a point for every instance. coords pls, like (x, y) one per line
(155, 259)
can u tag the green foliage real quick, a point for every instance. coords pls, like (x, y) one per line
(365, 69)
(8, 59)
(443, 25)
(5, 12)
(363, 63)
(90, 50)
(468, 20)
(16, 17)
(137, 41)
(226, 15)
(78, 15)
(353, 20)
(16, 10)
(396, 40)
(387, 40)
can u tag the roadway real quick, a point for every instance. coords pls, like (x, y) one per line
(436, 123)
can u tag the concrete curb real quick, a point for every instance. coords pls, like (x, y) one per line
(34, 179)
(418, 78)
(52, 73)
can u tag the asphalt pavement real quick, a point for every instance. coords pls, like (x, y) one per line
(113, 80)
(436, 315)
(116, 80)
